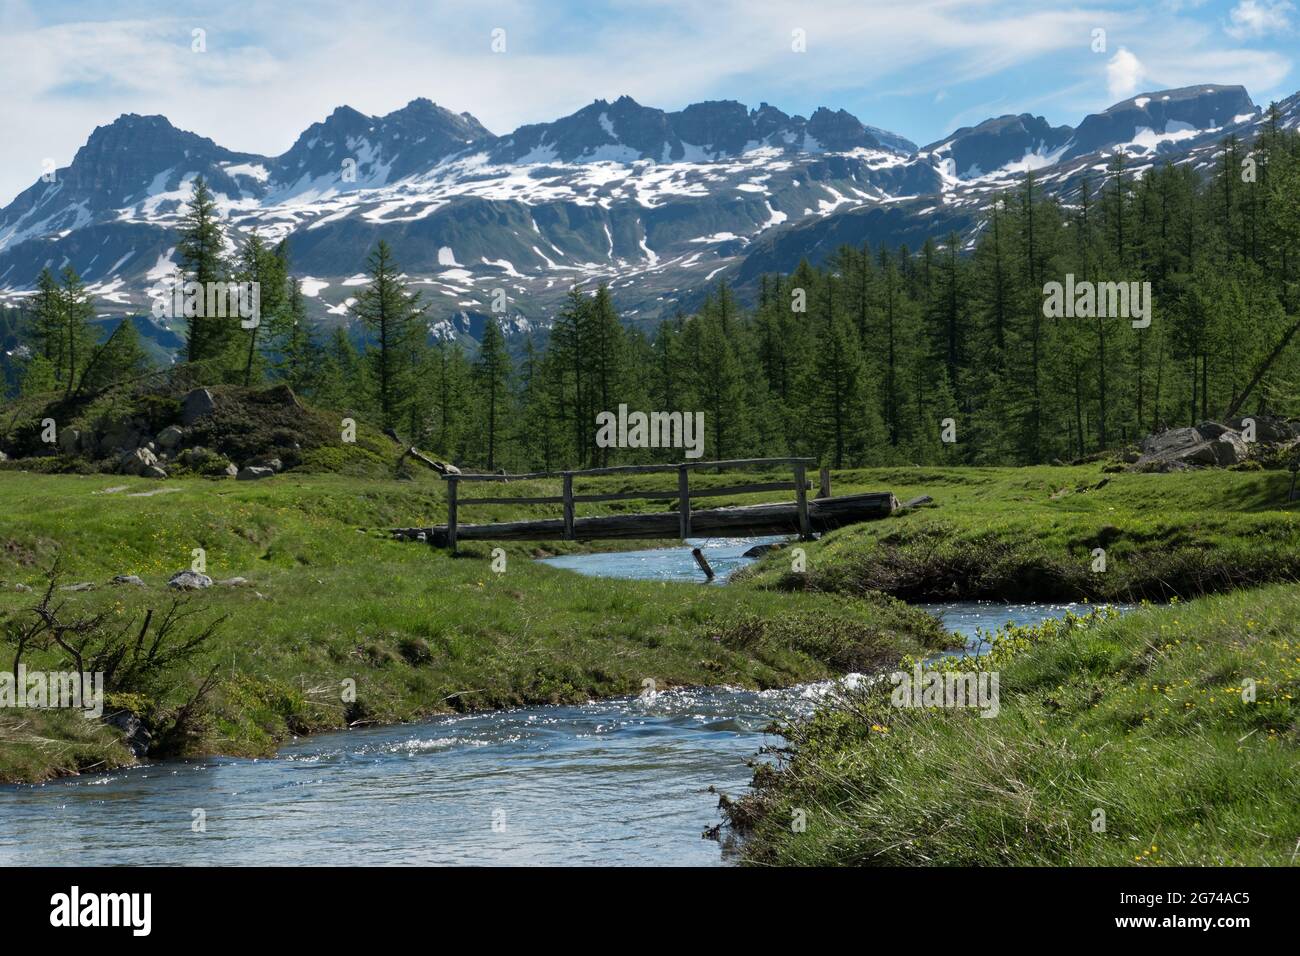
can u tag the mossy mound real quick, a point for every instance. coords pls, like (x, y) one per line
(91, 433)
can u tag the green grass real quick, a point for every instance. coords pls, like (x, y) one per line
(1030, 533)
(38, 745)
(1140, 716)
(333, 598)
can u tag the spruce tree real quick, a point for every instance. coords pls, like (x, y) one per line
(492, 383)
(393, 316)
(451, 389)
(268, 269)
(48, 326)
(200, 248)
(76, 311)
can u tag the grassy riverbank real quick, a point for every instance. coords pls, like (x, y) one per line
(1030, 534)
(1141, 717)
(331, 598)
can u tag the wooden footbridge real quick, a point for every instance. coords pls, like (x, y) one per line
(802, 516)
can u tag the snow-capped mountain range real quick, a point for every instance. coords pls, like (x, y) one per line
(657, 203)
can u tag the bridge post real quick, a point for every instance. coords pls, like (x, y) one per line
(824, 482)
(683, 502)
(568, 506)
(801, 501)
(451, 513)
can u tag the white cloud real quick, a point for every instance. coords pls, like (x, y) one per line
(271, 70)
(1124, 72)
(1252, 18)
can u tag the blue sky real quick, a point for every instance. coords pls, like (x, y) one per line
(920, 68)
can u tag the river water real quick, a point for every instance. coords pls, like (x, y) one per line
(621, 781)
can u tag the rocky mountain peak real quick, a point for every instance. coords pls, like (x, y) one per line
(839, 130)
(1156, 121)
(409, 140)
(425, 113)
(1007, 142)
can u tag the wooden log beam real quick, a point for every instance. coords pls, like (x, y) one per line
(801, 502)
(753, 488)
(683, 503)
(649, 469)
(568, 508)
(451, 514)
(703, 562)
(547, 500)
(424, 459)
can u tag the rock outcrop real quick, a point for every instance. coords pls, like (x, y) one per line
(141, 462)
(197, 404)
(170, 437)
(69, 440)
(189, 581)
(1212, 444)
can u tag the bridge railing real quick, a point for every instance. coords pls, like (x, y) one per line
(683, 493)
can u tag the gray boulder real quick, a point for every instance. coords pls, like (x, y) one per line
(1208, 444)
(1209, 430)
(69, 440)
(264, 461)
(130, 579)
(197, 404)
(253, 473)
(83, 586)
(1268, 429)
(1229, 449)
(153, 471)
(120, 436)
(170, 437)
(189, 581)
(137, 462)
